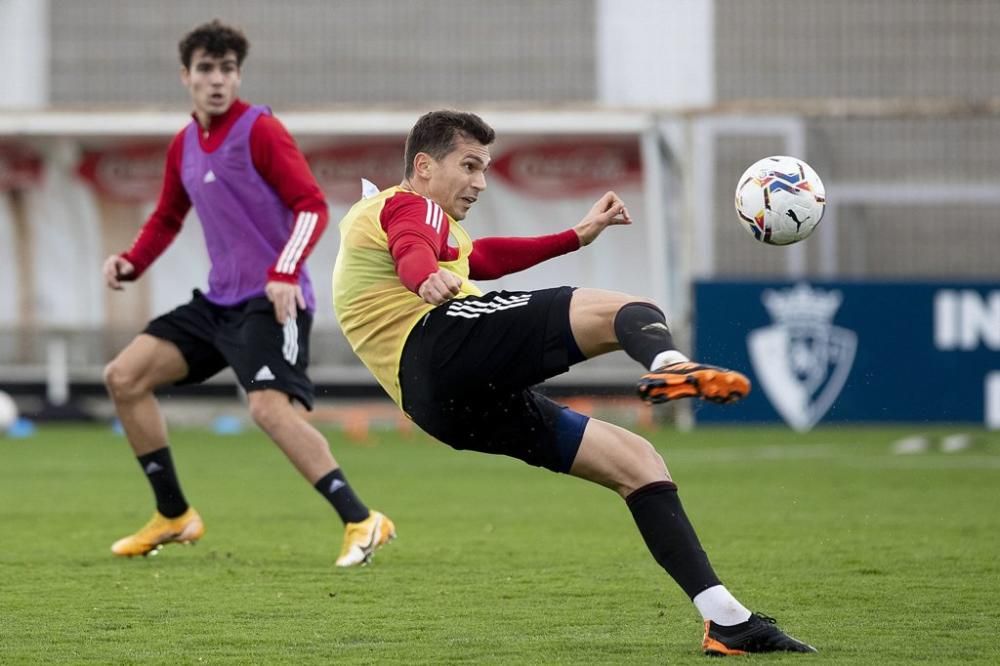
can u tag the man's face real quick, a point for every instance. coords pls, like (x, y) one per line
(457, 179)
(212, 81)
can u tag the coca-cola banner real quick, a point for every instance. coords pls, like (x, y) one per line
(561, 169)
(339, 169)
(131, 174)
(20, 167)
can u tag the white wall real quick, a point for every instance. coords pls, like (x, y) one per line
(656, 52)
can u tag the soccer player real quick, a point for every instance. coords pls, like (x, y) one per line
(461, 363)
(262, 212)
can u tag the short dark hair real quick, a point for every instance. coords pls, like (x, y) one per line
(217, 39)
(435, 134)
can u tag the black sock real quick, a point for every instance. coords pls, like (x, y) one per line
(642, 332)
(338, 492)
(670, 537)
(159, 469)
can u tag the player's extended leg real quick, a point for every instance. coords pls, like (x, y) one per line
(309, 452)
(626, 463)
(146, 363)
(603, 321)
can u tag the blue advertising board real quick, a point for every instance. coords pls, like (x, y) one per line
(853, 351)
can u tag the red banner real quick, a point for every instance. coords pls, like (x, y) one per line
(553, 170)
(339, 169)
(20, 167)
(133, 174)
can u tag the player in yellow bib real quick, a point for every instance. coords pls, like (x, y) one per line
(461, 363)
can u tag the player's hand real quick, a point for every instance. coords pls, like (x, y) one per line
(440, 287)
(115, 270)
(287, 298)
(608, 210)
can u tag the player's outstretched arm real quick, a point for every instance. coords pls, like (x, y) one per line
(492, 258)
(607, 211)
(116, 269)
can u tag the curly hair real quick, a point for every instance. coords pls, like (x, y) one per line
(217, 39)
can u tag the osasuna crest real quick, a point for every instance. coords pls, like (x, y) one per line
(802, 360)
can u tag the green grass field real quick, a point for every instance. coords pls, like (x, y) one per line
(870, 556)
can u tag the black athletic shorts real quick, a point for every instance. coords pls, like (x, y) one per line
(246, 337)
(467, 368)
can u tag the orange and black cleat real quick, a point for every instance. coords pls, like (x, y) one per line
(693, 380)
(758, 634)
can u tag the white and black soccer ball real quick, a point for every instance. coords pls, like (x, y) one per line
(780, 200)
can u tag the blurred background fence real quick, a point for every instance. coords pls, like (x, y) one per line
(895, 103)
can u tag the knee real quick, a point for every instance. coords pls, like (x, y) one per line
(593, 318)
(651, 460)
(267, 408)
(640, 301)
(123, 382)
(646, 466)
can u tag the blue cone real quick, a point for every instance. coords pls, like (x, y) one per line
(21, 429)
(227, 425)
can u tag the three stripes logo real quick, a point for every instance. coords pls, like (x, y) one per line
(290, 344)
(468, 308)
(290, 257)
(434, 216)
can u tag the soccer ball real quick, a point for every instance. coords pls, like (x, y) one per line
(780, 200)
(8, 412)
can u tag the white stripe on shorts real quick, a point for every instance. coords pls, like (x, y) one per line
(290, 348)
(472, 309)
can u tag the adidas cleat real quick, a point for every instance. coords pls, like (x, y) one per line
(758, 634)
(160, 530)
(361, 540)
(693, 380)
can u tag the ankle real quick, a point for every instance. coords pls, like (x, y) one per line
(668, 357)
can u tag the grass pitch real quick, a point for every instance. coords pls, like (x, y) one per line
(872, 556)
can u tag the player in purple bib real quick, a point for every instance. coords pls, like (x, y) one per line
(262, 212)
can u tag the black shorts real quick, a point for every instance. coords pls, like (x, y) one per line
(467, 368)
(246, 337)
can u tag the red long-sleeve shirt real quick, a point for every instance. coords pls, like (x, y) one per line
(276, 158)
(417, 242)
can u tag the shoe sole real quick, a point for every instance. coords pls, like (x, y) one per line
(714, 648)
(719, 386)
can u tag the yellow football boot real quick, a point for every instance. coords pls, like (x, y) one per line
(362, 539)
(185, 528)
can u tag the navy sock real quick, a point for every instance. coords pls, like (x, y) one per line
(338, 492)
(159, 469)
(642, 332)
(670, 537)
